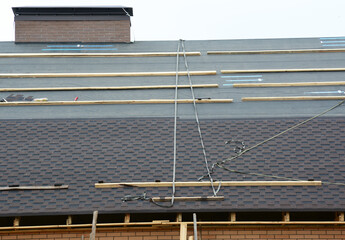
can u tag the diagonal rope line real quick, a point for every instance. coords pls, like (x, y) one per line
(281, 133)
(197, 119)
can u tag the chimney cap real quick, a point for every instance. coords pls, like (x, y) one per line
(73, 11)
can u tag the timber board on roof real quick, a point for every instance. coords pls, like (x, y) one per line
(81, 145)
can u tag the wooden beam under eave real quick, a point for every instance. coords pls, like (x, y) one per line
(127, 218)
(107, 88)
(114, 74)
(232, 217)
(293, 98)
(104, 102)
(207, 184)
(179, 217)
(16, 222)
(283, 70)
(340, 216)
(90, 55)
(69, 220)
(286, 217)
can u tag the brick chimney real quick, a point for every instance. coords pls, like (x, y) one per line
(72, 24)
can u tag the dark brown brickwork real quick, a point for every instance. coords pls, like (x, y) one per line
(72, 31)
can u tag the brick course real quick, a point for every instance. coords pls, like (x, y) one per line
(207, 233)
(72, 31)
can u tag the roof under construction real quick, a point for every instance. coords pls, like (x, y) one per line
(79, 115)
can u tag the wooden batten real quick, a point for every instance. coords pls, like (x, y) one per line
(23, 188)
(276, 51)
(103, 102)
(283, 70)
(293, 84)
(208, 184)
(114, 74)
(186, 199)
(107, 88)
(127, 218)
(294, 98)
(90, 55)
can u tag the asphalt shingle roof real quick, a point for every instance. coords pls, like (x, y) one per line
(81, 152)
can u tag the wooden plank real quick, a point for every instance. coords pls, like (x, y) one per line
(283, 70)
(106, 88)
(286, 217)
(209, 198)
(34, 188)
(90, 55)
(183, 231)
(46, 227)
(207, 184)
(294, 98)
(127, 218)
(101, 102)
(293, 84)
(277, 51)
(114, 74)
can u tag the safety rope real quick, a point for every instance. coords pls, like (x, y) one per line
(221, 163)
(197, 120)
(175, 131)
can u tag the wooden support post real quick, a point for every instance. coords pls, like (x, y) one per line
(183, 231)
(69, 220)
(286, 217)
(232, 217)
(179, 217)
(16, 222)
(94, 222)
(127, 218)
(339, 216)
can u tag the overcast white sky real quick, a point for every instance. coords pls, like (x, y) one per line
(216, 19)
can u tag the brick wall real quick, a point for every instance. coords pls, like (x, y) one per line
(207, 233)
(72, 31)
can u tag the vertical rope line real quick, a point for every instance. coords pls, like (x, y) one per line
(197, 119)
(175, 122)
(175, 131)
